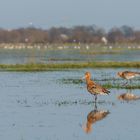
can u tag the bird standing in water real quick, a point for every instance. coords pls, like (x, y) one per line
(94, 88)
(128, 75)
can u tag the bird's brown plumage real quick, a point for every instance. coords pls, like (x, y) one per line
(128, 74)
(93, 87)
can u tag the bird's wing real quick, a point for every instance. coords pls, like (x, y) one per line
(129, 75)
(91, 87)
(101, 89)
(96, 88)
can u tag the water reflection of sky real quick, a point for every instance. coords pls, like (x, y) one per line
(61, 56)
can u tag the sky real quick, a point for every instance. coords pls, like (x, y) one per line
(68, 13)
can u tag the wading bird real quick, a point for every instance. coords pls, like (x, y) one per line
(128, 75)
(94, 88)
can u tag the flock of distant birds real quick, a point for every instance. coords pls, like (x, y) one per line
(96, 89)
(59, 47)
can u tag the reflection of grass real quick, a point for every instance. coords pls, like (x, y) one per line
(81, 102)
(64, 66)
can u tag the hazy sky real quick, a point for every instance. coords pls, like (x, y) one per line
(68, 13)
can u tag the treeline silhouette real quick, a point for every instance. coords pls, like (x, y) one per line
(76, 34)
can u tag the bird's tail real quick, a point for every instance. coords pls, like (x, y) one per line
(107, 92)
(137, 97)
(138, 73)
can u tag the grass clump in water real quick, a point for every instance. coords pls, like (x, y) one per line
(118, 86)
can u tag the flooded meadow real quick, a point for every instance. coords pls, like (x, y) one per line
(22, 54)
(55, 105)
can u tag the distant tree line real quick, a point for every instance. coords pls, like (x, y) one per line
(82, 34)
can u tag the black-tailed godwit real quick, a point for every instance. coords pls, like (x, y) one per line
(128, 75)
(94, 88)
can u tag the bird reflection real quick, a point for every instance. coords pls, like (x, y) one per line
(94, 116)
(128, 97)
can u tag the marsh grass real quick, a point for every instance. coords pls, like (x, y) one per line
(120, 86)
(107, 83)
(66, 66)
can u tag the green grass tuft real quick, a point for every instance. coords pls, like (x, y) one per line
(66, 66)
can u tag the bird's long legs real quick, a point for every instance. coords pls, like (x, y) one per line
(130, 82)
(125, 83)
(95, 102)
(95, 98)
(95, 106)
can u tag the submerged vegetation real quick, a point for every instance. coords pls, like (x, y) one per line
(66, 66)
(106, 83)
(119, 86)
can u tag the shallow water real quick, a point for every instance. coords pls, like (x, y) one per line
(38, 106)
(61, 56)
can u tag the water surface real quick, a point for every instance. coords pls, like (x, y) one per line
(39, 106)
(16, 56)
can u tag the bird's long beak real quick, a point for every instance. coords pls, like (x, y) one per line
(83, 78)
(119, 73)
